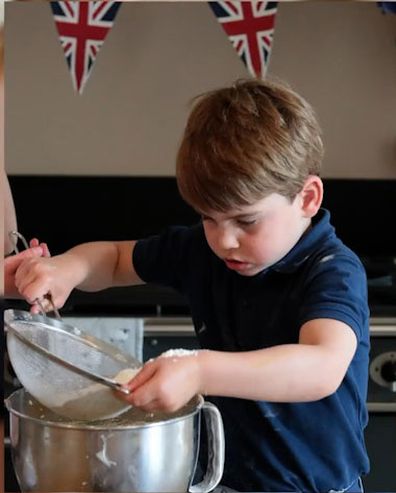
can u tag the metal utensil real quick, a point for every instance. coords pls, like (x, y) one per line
(15, 236)
(81, 371)
(138, 451)
(57, 364)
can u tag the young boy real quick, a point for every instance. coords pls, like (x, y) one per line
(278, 301)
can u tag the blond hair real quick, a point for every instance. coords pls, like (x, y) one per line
(244, 142)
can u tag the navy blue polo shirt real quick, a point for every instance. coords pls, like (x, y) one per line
(305, 446)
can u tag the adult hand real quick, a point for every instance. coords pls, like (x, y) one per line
(166, 383)
(12, 263)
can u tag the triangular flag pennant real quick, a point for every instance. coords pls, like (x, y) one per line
(387, 7)
(82, 29)
(249, 26)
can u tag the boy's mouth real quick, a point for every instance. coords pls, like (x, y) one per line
(237, 265)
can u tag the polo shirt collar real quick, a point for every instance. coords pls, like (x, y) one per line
(320, 231)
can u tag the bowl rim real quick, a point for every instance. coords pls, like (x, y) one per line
(21, 393)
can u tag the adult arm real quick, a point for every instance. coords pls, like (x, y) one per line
(10, 221)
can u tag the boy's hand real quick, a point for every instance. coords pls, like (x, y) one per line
(35, 277)
(35, 243)
(12, 263)
(166, 383)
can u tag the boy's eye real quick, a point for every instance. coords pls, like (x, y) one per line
(247, 222)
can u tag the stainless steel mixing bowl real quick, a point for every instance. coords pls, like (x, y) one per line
(135, 452)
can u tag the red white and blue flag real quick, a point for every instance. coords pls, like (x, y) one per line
(82, 28)
(387, 7)
(250, 28)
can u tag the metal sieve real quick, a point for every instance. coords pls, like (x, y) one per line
(68, 371)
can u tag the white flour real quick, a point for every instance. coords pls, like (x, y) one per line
(102, 454)
(175, 353)
(94, 402)
(126, 375)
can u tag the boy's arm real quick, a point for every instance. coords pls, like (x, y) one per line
(104, 264)
(307, 371)
(89, 267)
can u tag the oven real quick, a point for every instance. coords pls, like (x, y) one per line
(381, 402)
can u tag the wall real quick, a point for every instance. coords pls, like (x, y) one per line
(342, 57)
(339, 55)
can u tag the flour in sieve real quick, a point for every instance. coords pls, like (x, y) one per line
(94, 402)
(126, 375)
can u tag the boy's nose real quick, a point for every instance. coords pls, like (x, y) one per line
(227, 240)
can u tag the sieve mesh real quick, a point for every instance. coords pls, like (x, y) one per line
(56, 386)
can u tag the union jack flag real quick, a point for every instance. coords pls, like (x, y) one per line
(387, 7)
(250, 28)
(82, 28)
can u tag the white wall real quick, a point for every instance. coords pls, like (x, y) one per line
(342, 57)
(339, 55)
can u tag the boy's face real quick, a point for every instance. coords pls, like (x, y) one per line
(252, 238)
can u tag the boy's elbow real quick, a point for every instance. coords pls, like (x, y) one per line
(326, 387)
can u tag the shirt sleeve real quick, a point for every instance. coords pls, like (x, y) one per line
(337, 289)
(167, 258)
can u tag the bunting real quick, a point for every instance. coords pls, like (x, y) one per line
(387, 7)
(82, 29)
(249, 26)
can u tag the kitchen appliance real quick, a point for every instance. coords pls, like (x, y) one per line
(138, 451)
(380, 434)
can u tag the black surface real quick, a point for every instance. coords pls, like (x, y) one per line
(10, 480)
(380, 439)
(67, 210)
(363, 212)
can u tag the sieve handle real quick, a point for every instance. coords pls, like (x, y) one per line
(48, 297)
(14, 237)
(115, 385)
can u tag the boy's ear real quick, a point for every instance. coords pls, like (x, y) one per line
(311, 195)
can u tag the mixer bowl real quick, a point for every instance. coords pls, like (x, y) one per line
(135, 452)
